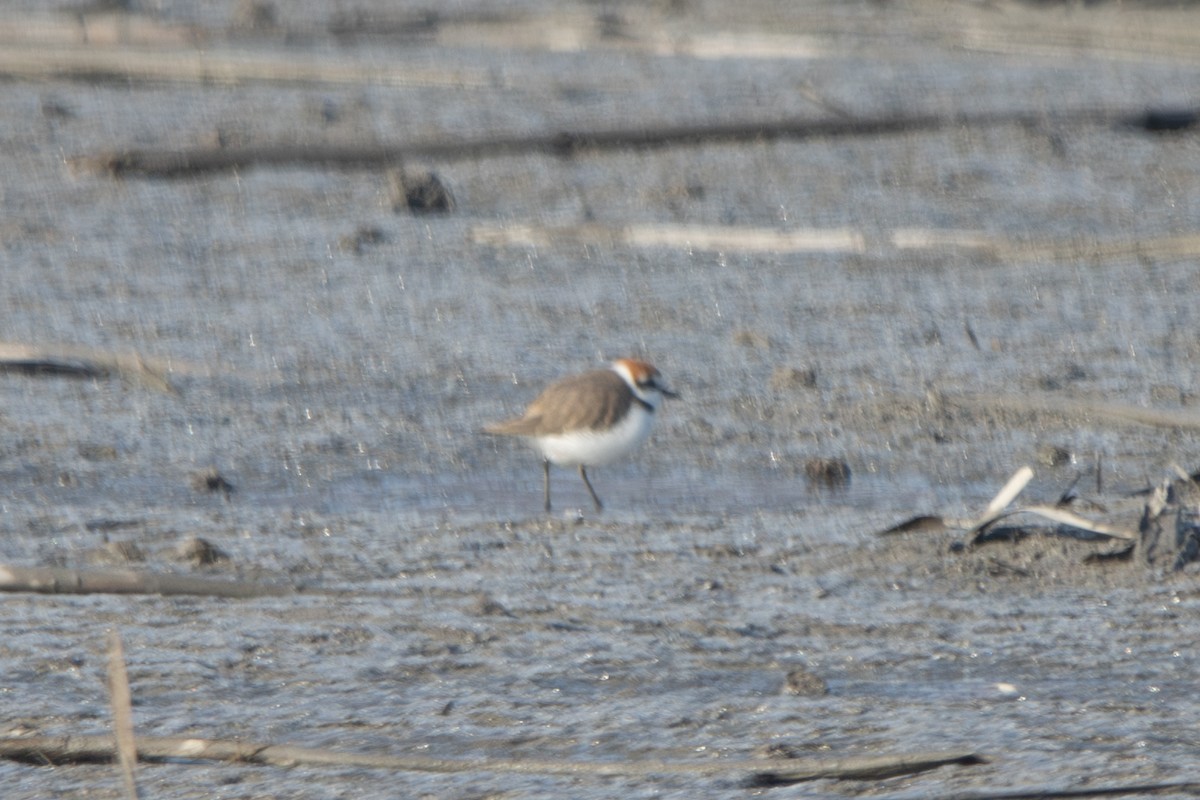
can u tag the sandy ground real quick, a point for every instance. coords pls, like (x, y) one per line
(932, 308)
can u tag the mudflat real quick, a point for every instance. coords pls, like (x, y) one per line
(888, 253)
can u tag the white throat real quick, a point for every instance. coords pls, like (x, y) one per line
(652, 397)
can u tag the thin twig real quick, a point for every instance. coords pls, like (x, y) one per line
(122, 710)
(178, 162)
(1081, 407)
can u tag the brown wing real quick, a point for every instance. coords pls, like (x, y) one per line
(570, 404)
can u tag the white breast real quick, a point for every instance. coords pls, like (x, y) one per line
(596, 448)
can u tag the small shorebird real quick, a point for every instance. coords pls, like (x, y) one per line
(591, 419)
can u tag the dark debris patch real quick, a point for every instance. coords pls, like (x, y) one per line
(831, 473)
(1167, 120)
(802, 683)
(201, 552)
(1169, 530)
(421, 192)
(362, 239)
(212, 481)
(923, 523)
(785, 378)
(54, 366)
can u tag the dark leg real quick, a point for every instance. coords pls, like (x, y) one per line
(546, 481)
(587, 483)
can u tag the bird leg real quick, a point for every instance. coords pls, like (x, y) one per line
(546, 481)
(587, 483)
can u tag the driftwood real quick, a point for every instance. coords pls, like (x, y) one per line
(82, 362)
(1001, 247)
(982, 529)
(997, 27)
(92, 749)
(59, 580)
(995, 509)
(47, 32)
(208, 66)
(1169, 530)
(1100, 33)
(724, 238)
(750, 239)
(53, 750)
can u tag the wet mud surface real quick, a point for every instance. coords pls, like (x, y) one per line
(333, 361)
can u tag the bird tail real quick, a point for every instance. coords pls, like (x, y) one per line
(510, 427)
